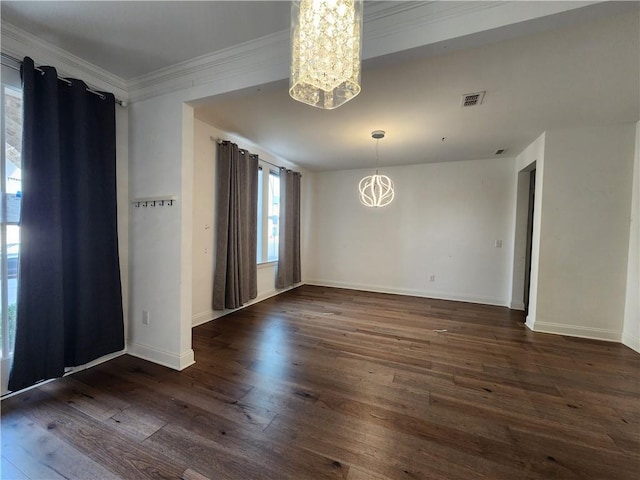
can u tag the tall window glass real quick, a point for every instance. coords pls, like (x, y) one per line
(11, 194)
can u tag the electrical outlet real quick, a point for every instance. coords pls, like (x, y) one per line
(145, 317)
(498, 243)
(432, 278)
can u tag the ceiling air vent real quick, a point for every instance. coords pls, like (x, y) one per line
(472, 99)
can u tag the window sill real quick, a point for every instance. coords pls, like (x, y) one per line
(271, 263)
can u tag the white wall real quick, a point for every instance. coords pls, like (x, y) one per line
(161, 159)
(631, 327)
(122, 186)
(584, 231)
(156, 233)
(203, 254)
(204, 232)
(444, 221)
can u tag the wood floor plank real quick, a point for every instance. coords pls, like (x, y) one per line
(136, 423)
(328, 383)
(84, 398)
(241, 453)
(375, 448)
(41, 454)
(190, 474)
(10, 472)
(103, 445)
(204, 455)
(561, 458)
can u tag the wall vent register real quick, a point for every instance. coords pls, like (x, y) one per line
(472, 99)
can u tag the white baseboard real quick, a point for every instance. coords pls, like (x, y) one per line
(97, 361)
(529, 323)
(575, 331)
(203, 317)
(69, 371)
(410, 292)
(209, 315)
(162, 357)
(631, 342)
(516, 306)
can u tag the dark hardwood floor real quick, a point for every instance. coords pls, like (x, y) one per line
(327, 383)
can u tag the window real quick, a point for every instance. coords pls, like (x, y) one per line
(268, 213)
(10, 195)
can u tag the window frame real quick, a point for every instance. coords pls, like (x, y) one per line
(10, 81)
(264, 171)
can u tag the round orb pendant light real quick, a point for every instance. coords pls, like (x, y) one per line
(376, 190)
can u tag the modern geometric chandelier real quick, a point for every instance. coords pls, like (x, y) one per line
(326, 41)
(376, 190)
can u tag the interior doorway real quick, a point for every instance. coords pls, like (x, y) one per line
(529, 246)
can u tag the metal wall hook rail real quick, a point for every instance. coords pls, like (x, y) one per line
(154, 201)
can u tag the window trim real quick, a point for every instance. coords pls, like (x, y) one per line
(6, 349)
(4, 280)
(10, 80)
(264, 170)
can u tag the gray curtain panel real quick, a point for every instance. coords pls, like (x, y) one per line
(288, 271)
(235, 279)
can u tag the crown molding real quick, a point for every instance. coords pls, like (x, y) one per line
(418, 12)
(390, 27)
(19, 43)
(419, 24)
(377, 10)
(383, 20)
(271, 51)
(412, 15)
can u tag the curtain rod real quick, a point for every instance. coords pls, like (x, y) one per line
(122, 103)
(219, 141)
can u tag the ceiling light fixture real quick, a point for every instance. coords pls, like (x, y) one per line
(376, 190)
(326, 41)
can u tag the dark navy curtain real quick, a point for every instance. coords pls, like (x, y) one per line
(69, 296)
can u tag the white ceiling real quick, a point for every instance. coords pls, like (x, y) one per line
(131, 38)
(578, 68)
